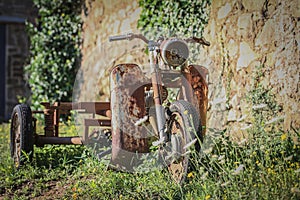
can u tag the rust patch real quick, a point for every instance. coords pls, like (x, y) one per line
(127, 106)
(49, 120)
(196, 76)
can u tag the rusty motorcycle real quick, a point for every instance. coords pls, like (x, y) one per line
(140, 114)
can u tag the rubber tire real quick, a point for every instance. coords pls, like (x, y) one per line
(187, 112)
(22, 117)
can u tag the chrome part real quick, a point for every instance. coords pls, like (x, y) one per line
(174, 52)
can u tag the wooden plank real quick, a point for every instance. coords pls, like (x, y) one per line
(92, 107)
(97, 122)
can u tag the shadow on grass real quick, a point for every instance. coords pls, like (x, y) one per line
(58, 156)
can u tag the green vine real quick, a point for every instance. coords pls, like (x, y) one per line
(174, 17)
(55, 50)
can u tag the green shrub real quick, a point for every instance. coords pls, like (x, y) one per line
(54, 50)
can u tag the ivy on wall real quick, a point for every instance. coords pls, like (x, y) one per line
(55, 50)
(170, 17)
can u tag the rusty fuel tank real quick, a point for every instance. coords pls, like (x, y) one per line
(127, 83)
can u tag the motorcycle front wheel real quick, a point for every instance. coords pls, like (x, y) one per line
(184, 132)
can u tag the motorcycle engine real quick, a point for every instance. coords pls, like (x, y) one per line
(174, 52)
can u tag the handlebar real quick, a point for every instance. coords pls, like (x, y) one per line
(128, 36)
(118, 37)
(131, 36)
(198, 40)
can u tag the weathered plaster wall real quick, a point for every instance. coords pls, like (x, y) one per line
(243, 34)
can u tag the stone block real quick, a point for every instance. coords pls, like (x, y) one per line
(122, 14)
(295, 8)
(267, 33)
(135, 14)
(217, 4)
(231, 116)
(110, 5)
(253, 5)
(270, 61)
(98, 12)
(234, 101)
(116, 26)
(247, 55)
(244, 21)
(224, 11)
(272, 4)
(234, 85)
(232, 48)
(212, 28)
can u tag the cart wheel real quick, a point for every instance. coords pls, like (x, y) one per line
(183, 124)
(21, 135)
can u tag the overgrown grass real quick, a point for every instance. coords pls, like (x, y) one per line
(50, 164)
(264, 165)
(261, 167)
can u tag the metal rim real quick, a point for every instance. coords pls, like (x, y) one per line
(178, 167)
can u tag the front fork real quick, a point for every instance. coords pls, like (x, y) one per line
(157, 95)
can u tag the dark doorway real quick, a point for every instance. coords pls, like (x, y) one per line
(2, 72)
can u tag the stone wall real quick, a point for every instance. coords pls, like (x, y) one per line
(246, 34)
(13, 15)
(243, 34)
(100, 20)
(17, 8)
(17, 51)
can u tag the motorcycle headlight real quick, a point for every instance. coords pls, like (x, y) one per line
(174, 52)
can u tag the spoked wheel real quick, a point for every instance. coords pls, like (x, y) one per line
(21, 135)
(183, 126)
